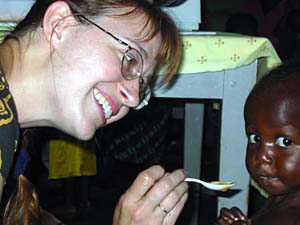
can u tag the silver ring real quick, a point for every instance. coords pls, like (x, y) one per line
(163, 209)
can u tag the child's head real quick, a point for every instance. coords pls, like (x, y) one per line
(272, 122)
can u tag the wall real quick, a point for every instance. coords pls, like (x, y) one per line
(14, 10)
(216, 12)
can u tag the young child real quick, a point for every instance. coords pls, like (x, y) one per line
(272, 123)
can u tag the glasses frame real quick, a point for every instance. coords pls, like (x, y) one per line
(144, 88)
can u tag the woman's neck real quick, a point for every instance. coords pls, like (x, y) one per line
(7, 58)
(26, 80)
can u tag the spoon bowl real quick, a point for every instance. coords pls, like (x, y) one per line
(214, 185)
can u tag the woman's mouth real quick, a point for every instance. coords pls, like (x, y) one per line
(104, 103)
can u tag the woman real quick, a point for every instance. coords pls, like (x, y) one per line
(77, 65)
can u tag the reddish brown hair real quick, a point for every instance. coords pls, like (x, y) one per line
(156, 21)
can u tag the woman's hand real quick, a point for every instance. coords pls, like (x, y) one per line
(154, 198)
(232, 216)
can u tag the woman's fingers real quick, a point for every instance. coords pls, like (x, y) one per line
(144, 181)
(170, 207)
(129, 208)
(170, 187)
(173, 215)
(170, 201)
(155, 198)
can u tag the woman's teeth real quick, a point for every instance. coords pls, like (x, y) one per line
(103, 103)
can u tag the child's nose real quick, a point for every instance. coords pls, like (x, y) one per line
(264, 153)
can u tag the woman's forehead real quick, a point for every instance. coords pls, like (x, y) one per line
(134, 30)
(136, 26)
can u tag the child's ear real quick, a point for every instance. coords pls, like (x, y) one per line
(56, 18)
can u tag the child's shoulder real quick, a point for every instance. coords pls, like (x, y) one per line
(286, 213)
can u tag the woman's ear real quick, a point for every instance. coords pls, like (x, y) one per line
(56, 18)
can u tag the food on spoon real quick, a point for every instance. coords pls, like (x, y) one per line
(227, 186)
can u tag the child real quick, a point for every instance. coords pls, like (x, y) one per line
(272, 123)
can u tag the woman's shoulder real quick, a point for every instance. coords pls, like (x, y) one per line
(3, 82)
(9, 128)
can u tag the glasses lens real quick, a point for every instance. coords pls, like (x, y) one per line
(132, 64)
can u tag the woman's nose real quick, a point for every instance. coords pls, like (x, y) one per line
(130, 92)
(264, 153)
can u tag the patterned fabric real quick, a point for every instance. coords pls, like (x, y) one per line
(5, 29)
(9, 128)
(210, 51)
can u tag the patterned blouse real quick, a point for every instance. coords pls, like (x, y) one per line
(9, 127)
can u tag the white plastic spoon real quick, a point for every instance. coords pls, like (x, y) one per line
(214, 185)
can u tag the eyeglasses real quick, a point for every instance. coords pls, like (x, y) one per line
(131, 67)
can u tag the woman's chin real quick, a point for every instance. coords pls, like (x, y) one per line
(83, 134)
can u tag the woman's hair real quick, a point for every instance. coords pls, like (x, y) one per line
(156, 21)
(23, 207)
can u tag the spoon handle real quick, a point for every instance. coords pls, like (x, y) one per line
(189, 179)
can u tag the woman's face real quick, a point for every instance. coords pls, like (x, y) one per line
(90, 89)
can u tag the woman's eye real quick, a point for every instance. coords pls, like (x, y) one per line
(253, 138)
(283, 141)
(130, 58)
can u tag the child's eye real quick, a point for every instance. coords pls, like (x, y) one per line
(253, 138)
(283, 141)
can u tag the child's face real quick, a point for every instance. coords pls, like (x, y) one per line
(272, 125)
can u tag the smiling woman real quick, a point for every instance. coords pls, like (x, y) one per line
(77, 65)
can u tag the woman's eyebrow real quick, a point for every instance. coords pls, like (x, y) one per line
(139, 47)
(144, 53)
